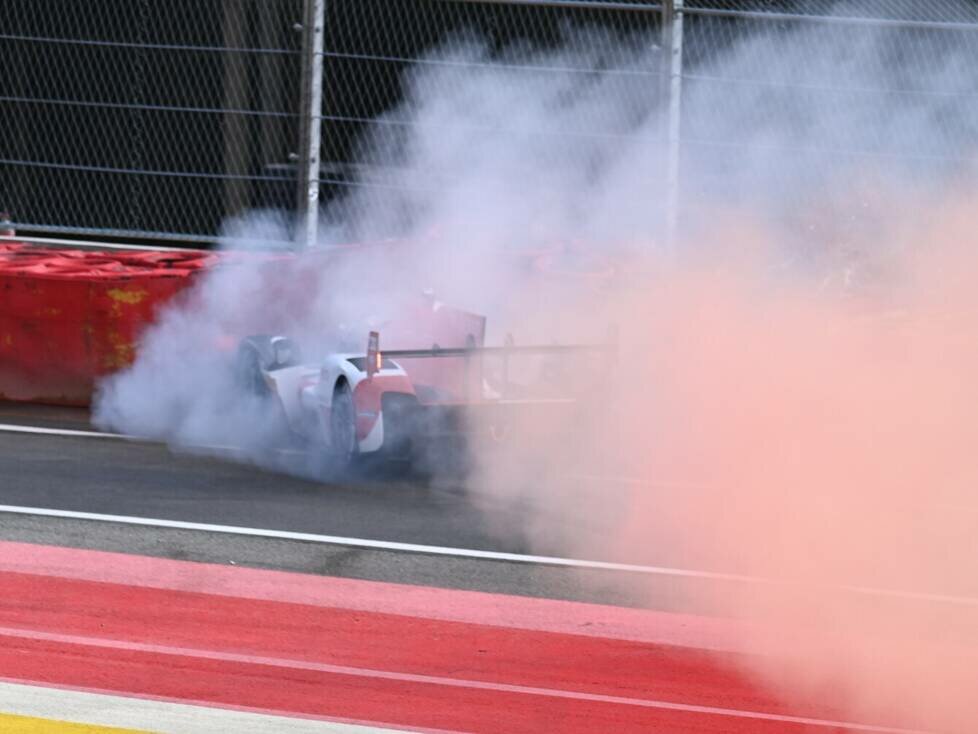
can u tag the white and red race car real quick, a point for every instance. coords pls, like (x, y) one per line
(355, 404)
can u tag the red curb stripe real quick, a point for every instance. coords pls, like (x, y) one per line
(340, 658)
(69, 640)
(333, 694)
(304, 633)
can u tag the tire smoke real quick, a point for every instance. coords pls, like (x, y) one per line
(792, 395)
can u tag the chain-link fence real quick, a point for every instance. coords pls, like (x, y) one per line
(770, 99)
(144, 118)
(383, 60)
(372, 46)
(788, 96)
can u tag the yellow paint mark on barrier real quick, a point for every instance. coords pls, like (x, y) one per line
(122, 354)
(125, 297)
(132, 297)
(10, 724)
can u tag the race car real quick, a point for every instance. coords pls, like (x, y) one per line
(355, 404)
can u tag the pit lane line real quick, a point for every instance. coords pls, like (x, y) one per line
(75, 433)
(470, 553)
(17, 428)
(379, 544)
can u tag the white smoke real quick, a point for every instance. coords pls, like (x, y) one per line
(495, 157)
(500, 180)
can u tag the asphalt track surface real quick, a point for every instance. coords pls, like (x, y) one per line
(450, 661)
(148, 480)
(119, 477)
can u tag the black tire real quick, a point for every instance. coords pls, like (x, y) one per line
(256, 355)
(248, 372)
(343, 445)
(259, 402)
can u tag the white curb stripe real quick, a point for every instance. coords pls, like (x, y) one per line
(161, 717)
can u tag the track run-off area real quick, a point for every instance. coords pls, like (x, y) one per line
(147, 591)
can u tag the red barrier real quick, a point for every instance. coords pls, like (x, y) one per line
(68, 317)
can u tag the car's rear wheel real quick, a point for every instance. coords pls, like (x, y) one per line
(343, 426)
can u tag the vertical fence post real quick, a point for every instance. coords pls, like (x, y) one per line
(310, 124)
(672, 47)
(237, 189)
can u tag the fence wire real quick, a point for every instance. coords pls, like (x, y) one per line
(139, 118)
(776, 96)
(382, 59)
(144, 118)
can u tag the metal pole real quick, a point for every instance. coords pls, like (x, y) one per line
(672, 45)
(237, 142)
(665, 43)
(274, 144)
(310, 124)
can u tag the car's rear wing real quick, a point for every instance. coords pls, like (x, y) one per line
(474, 355)
(509, 348)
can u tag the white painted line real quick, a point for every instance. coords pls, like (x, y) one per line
(16, 428)
(220, 450)
(434, 550)
(159, 716)
(73, 433)
(290, 664)
(377, 544)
